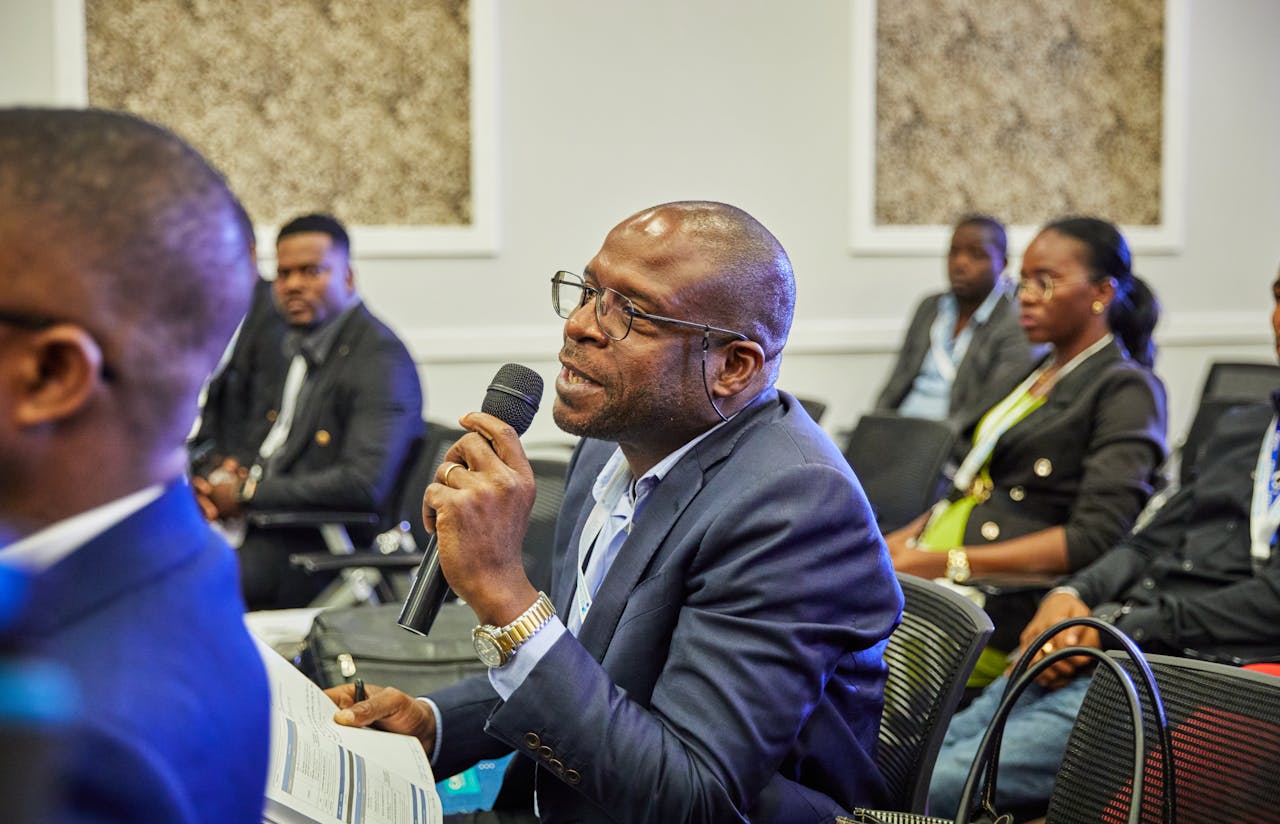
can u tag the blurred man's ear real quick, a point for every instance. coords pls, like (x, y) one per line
(57, 372)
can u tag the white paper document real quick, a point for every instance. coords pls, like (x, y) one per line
(324, 773)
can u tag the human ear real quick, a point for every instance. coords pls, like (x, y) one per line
(59, 370)
(1105, 291)
(743, 360)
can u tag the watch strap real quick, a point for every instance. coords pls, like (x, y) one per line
(510, 637)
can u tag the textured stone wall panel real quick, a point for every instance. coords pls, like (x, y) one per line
(1025, 109)
(359, 107)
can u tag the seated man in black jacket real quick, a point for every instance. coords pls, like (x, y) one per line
(341, 424)
(1194, 581)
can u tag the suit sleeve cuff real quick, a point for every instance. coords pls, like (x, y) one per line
(435, 750)
(508, 678)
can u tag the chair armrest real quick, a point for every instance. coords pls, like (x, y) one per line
(310, 517)
(1007, 583)
(327, 562)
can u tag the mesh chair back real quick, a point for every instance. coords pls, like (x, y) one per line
(539, 540)
(1228, 384)
(899, 462)
(814, 407)
(435, 444)
(930, 656)
(548, 474)
(1224, 725)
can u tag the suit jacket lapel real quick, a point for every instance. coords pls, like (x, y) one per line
(668, 500)
(312, 400)
(1063, 394)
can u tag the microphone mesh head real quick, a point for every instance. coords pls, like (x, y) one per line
(513, 396)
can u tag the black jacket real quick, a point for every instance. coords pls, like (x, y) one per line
(1186, 578)
(1086, 460)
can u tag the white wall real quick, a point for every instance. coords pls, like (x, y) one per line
(605, 108)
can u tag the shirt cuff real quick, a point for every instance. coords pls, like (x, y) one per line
(507, 678)
(1067, 590)
(435, 750)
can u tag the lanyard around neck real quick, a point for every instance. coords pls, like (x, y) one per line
(1264, 514)
(1004, 415)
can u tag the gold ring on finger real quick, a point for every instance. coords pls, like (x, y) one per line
(1047, 648)
(450, 470)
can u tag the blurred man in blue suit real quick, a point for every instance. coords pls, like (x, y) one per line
(123, 272)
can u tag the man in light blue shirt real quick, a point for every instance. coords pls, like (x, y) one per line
(964, 349)
(712, 647)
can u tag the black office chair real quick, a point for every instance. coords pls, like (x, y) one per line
(400, 549)
(378, 573)
(1224, 728)
(1227, 384)
(539, 539)
(900, 463)
(930, 656)
(1224, 725)
(814, 407)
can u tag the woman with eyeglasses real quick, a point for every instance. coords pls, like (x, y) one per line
(1060, 468)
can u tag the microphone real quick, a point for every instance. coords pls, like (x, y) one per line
(512, 397)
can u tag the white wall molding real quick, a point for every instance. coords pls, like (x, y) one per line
(486, 344)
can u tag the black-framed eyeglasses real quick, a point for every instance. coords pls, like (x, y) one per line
(614, 310)
(34, 323)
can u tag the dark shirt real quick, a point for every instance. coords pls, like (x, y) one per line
(1186, 580)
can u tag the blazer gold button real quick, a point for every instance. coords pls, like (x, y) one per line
(545, 752)
(272, 414)
(532, 741)
(555, 765)
(344, 350)
(1043, 467)
(323, 437)
(1017, 493)
(990, 530)
(572, 776)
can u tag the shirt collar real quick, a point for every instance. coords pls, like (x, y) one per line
(615, 478)
(318, 342)
(41, 550)
(983, 313)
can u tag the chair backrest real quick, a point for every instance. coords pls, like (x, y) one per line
(1227, 384)
(930, 656)
(539, 540)
(899, 462)
(814, 407)
(548, 473)
(1224, 725)
(435, 443)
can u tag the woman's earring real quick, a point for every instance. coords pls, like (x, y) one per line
(1098, 306)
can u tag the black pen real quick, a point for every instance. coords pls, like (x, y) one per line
(360, 693)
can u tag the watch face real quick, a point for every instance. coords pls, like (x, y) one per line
(488, 650)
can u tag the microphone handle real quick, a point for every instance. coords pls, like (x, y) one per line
(427, 594)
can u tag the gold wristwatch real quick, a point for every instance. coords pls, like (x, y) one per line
(957, 565)
(495, 645)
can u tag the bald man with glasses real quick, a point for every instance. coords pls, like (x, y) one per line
(711, 648)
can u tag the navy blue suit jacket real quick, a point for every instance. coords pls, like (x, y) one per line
(148, 620)
(731, 665)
